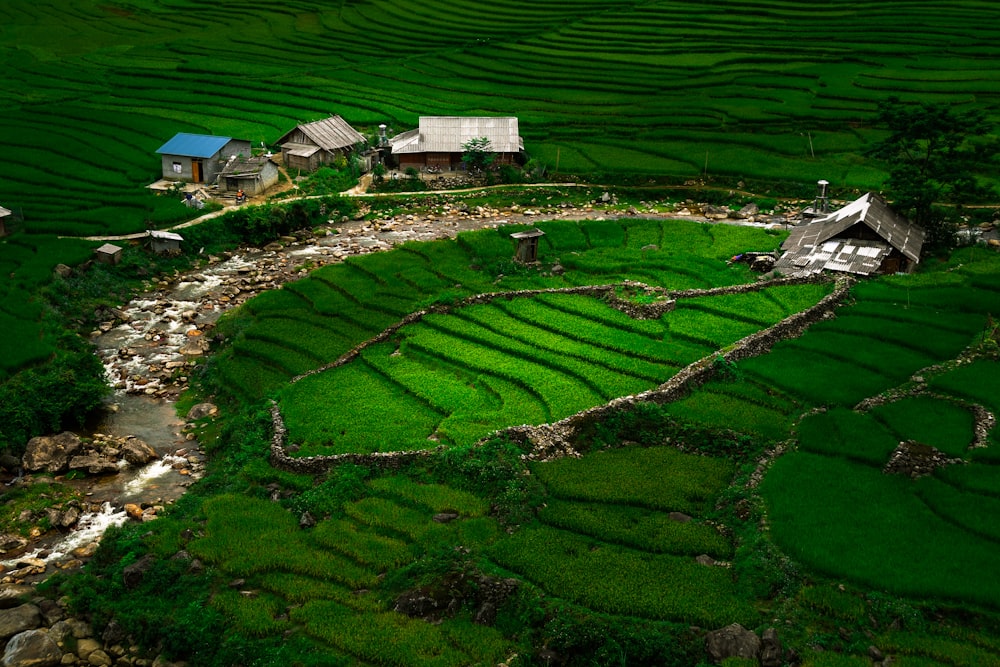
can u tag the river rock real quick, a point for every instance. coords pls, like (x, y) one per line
(50, 453)
(70, 629)
(732, 641)
(194, 346)
(11, 542)
(19, 619)
(33, 648)
(9, 462)
(94, 464)
(137, 452)
(86, 647)
(202, 410)
(12, 595)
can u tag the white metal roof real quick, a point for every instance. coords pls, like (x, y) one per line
(447, 134)
(165, 236)
(4, 212)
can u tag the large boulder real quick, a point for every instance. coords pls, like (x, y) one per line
(732, 641)
(137, 452)
(13, 595)
(94, 464)
(50, 453)
(771, 653)
(20, 618)
(33, 648)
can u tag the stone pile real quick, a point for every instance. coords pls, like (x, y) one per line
(38, 632)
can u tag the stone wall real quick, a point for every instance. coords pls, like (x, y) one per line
(553, 440)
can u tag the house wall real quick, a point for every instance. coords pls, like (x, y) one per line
(183, 173)
(252, 185)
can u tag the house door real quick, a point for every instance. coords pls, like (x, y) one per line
(196, 171)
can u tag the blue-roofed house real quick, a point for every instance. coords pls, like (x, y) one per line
(196, 157)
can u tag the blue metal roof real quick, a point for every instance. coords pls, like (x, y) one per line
(194, 145)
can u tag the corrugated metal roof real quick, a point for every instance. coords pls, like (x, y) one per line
(166, 236)
(108, 249)
(447, 134)
(329, 134)
(847, 255)
(869, 209)
(5, 212)
(194, 145)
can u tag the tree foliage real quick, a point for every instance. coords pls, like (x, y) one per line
(934, 152)
(478, 154)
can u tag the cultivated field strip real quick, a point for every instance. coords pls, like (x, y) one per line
(915, 327)
(477, 368)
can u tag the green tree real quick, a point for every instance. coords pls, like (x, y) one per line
(933, 152)
(478, 155)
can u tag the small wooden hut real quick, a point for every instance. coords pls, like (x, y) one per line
(527, 245)
(311, 145)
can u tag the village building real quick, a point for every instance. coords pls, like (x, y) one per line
(5, 215)
(108, 254)
(312, 145)
(198, 158)
(253, 175)
(438, 141)
(865, 237)
(164, 243)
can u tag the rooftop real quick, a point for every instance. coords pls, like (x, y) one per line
(194, 145)
(447, 134)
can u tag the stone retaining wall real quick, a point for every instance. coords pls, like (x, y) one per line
(553, 440)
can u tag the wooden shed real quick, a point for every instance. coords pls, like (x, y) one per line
(437, 142)
(865, 237)
(254, 175)
(164, 243)
(198, 158)
(5, 215)
(108, 254)
(527, 245)
(312, 145)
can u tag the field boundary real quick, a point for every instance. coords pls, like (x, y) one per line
(552, 440)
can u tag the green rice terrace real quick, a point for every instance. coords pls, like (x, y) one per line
(618, 91)
(436, 539)
(438, 456)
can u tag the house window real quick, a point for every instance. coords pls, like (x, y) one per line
(177, 168)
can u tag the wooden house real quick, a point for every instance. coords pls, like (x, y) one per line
(438, 140)
(198, 158)
(5, 215)
(108, 254)
(253, 175)
(312, 145)
(865, 237)
(164, 243)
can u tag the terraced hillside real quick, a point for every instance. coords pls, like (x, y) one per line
(779, 90)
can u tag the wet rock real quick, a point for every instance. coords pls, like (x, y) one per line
(70, 629)
(137, 452)
(33, 648)
(50, 453)
(10, 542)
(20, 618)
(133, 511)
(194, 346)
(732, 641)
(94, 464)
